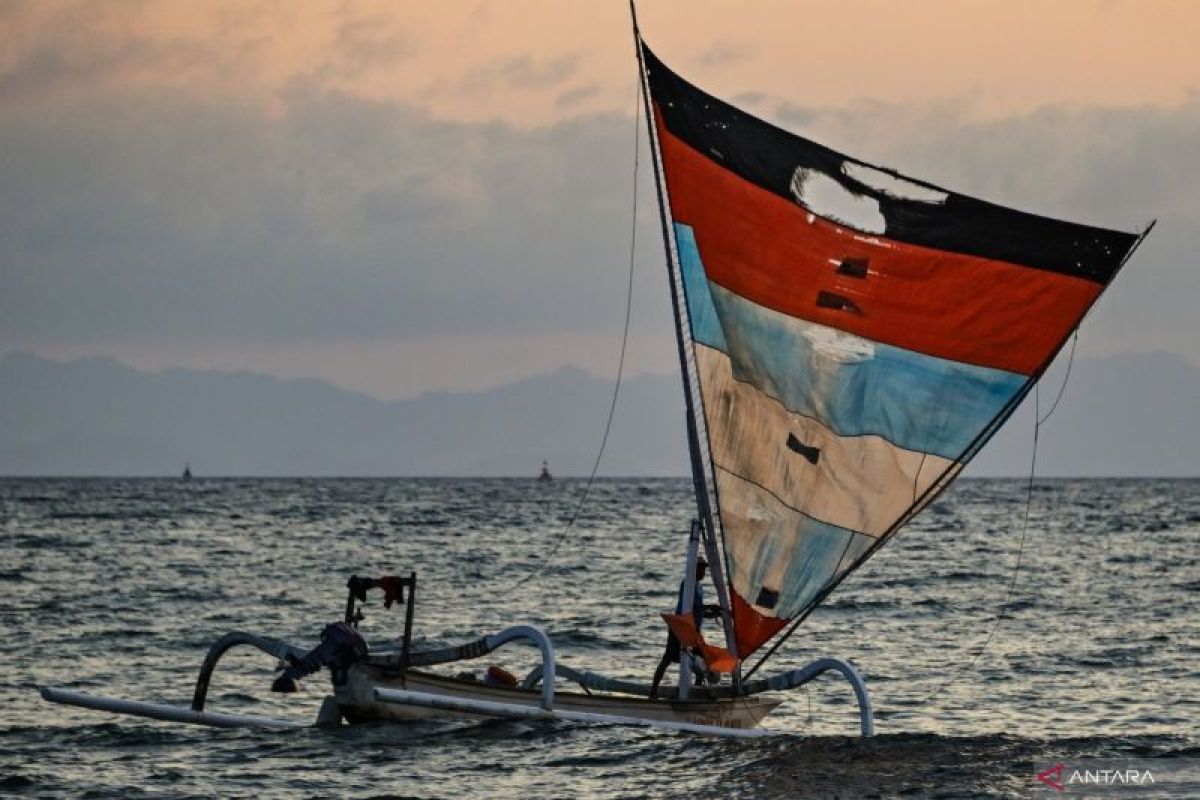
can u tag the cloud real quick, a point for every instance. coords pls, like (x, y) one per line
(152, 215)
(520, 72)
(746, 99)
(722, 52)
(572, 97)
(56, 51)
(156, 215)
(43, 55)
(363, 43)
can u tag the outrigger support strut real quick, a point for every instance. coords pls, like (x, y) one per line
(282, 650)
(799, 677)
(538, 636)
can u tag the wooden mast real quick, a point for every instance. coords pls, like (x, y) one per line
(687, 371)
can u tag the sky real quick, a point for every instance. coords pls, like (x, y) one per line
(408, 196)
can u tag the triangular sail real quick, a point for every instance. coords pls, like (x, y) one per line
(857, 336)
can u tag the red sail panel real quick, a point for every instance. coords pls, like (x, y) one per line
(717, 659)
(780, 255)
(751, 627)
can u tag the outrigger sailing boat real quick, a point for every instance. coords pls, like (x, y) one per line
(849, 338)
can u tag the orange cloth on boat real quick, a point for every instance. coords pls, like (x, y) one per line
(684, 627)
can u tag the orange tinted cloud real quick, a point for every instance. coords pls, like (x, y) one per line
(537, 61)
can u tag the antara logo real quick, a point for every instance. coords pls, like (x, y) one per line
(1053, 777)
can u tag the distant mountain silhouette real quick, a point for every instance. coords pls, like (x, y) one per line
(1120, 415)
(1123, 415)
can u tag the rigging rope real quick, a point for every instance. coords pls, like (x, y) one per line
(612, 407)
(1066, 377)
(1038, 421)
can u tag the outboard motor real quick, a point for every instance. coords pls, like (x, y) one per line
(341, 645)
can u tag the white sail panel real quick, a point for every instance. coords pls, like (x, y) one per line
(815, 471)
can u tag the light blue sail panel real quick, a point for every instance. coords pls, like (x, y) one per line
(706, 327)
(811, 565)
(826, 554)
(853, 385)
(780, 558)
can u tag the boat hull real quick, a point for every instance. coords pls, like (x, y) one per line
(357, 703)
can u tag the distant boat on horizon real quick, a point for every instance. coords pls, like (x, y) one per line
(187, 471)
(545, 476)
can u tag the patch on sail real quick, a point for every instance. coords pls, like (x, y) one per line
(829, 197)
(767, 598)
(838, 345)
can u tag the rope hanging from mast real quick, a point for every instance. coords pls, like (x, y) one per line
(612, 406)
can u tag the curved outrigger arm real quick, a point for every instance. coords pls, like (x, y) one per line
(799, 677)
(779, 683)
(538, 637)
(282, 650)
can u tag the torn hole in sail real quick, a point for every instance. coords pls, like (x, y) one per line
(811, 454)
(892, 185)
(837, 302)
(827, 197)
(854, 267)
(767, 598)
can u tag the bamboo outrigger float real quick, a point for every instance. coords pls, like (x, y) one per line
(848, 339)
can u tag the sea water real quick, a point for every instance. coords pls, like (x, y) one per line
(118, 587)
